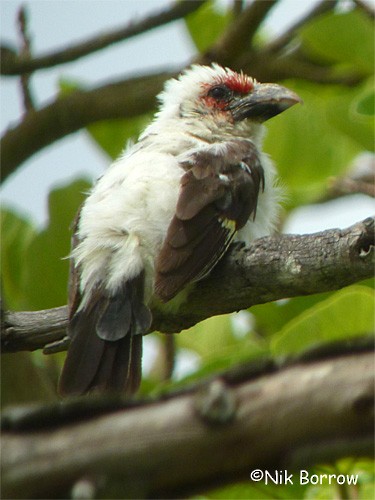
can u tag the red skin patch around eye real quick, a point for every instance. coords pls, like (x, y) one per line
(238, 82)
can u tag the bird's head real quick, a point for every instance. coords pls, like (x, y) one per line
(214, 97)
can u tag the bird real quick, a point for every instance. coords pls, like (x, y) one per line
(163, 215)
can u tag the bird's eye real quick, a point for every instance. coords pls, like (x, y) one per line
(220, 92)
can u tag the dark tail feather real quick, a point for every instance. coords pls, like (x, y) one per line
(112, 363)
(120, 368)
(127, 366)
(114, 366)
(85, 354)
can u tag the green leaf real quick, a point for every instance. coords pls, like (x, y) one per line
(306, 147)
(273, 316)
(208, 337)
(366, 103)
(345, 314)
(46, 266)
(213, 340)
(342, 38)
(206, 24)
(17, 234)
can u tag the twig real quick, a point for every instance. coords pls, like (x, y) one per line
(169, 347)
(270, 269)
(346, 185)
(283, 40)
(304, 414)
(21, 65)
(291, 66)
(360, 179)
(25, 53)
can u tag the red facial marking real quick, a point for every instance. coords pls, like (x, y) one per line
(238, 82)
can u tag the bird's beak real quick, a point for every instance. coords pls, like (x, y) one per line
(265, 101)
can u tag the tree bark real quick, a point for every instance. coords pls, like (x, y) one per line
(303, 414)
(271, 268)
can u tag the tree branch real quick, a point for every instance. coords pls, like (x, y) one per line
(238, 37)
(290, 66)
(135, 96)
(68, 114)
(285, 38)
(321, 411)
(271, 268)
(28, 101)
(347, 185)
(17, 65)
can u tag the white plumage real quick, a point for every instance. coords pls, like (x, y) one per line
(126, 217)
(125, 220)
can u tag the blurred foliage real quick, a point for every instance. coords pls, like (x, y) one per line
(35, 265)
(305, 167)
(16, 236)
(344, 314)
(309, 144)
(345, 39)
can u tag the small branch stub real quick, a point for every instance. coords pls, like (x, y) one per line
(216, 403)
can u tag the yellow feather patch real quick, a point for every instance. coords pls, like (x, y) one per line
(228, 224)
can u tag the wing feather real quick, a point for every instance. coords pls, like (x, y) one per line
(218, 195)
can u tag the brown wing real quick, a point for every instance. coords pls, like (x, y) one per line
(218, 195)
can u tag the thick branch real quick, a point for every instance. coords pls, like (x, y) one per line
(17, 65)
(271, 268)
(279, 267)
(299, 416)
